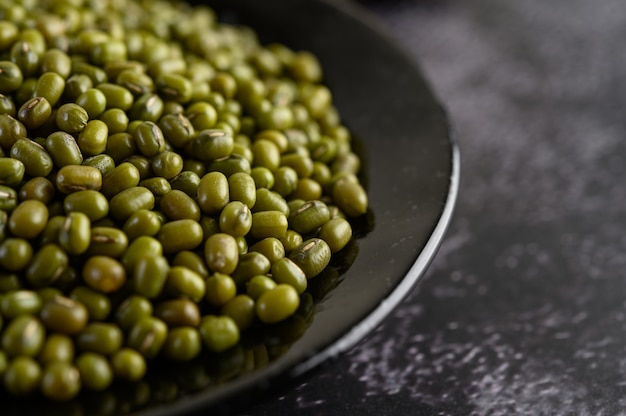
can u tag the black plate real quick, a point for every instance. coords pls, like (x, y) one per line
(411, 174)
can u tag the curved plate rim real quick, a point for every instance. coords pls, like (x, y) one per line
(261, 379)
(303, 361)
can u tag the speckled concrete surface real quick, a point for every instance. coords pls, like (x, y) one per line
(524, 309)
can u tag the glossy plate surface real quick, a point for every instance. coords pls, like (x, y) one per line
(411, 174)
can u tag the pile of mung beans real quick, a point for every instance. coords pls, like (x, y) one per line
(166, 183)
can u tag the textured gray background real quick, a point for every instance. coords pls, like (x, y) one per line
(523, 311)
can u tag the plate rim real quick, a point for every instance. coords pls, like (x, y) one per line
(358, 333)
(221, 398)
(306, 360)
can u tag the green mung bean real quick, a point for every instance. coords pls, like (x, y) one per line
(167, 184)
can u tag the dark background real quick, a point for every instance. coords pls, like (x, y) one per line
(523, 310)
